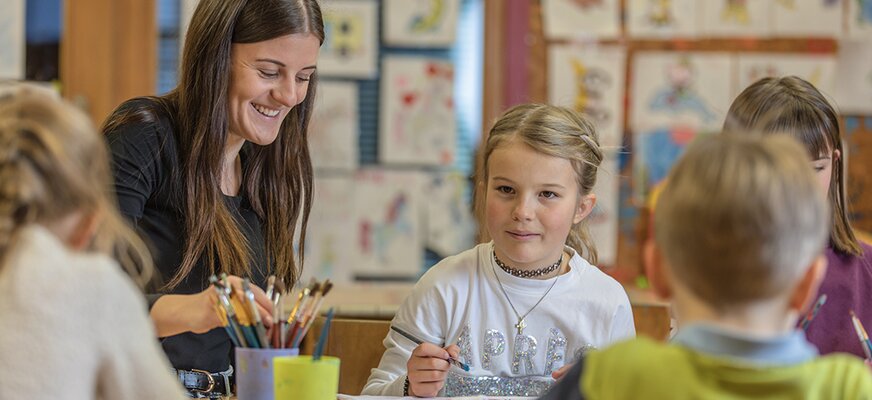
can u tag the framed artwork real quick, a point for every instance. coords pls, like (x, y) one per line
(581, 19)
(419, 23)
(350, 48)
(334, 128)
(590, 80)
(417, 120)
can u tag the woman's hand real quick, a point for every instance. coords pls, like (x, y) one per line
(174, 313)
(427, 368)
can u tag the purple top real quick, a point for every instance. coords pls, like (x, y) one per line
(848, 286)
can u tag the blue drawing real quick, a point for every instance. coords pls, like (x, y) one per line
(680, 96)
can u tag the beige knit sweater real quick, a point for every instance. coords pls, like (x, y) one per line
(73, 326)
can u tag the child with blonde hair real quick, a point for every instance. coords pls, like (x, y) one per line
(740, 228)
(521, 306)
(74, 325)
(792, 106)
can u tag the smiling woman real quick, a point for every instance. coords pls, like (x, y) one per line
(216, 174)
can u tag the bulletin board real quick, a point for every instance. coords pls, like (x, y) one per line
(746, 52)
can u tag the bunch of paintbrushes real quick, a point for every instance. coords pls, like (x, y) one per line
(240, 318)
(238, 314)
(309, 301)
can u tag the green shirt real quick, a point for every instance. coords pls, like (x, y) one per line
(645, 369)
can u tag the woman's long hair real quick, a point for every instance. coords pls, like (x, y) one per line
(277, 178)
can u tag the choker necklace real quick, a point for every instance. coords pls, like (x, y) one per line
(521, 323)
(523, 273)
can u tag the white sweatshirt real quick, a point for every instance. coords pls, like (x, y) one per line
(75, 327)
(460, 301)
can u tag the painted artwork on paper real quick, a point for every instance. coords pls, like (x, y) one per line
(590, 80)
(736, 17)
(655, 153)
(662, 18)
(603, 220)
(819, 70)
(350, 48)
(387, 223)
(450, 223)
(330, 252)
(858, 148)
(333, 130)
(417, 118)
(420, 23)
(12, 39)
(807, 18)
(680, 89)
(853, 88)
(859, 18)
(581, 19)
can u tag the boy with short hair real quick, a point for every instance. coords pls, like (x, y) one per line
(739, 232)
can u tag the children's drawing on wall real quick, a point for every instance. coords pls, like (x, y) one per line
(817, 69)
(450, 224)
(859, 18)
(420, 23)
(387, 224)
(350, 46)
(330, 252)
(822, 18)
(655, 153)
(603, 220)
(680, 89)
(590, 80)
(333, 131)
(853, 89)
(573, 19)
(417, 119)
(736, 17)
(12, 39)
(858, 147)
(661, 18)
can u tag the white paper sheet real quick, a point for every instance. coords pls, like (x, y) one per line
(662, 18)
(350, 47)
(572, 19)
(334, 131)
(747, 18)
(817, 69)
(805, 18)
(12, 39)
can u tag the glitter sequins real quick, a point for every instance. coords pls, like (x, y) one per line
(524, 350)
(494, 345)
(465, 344)
(527, 386)
(582, 351)
(556, 352)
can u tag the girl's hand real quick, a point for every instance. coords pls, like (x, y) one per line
(427, 368)
(560, 372)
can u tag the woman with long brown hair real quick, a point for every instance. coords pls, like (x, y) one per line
(216, 175)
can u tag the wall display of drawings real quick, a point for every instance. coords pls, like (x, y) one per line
(387, 223)
(450, 223)
(662, 18)
(603, 220)
(655, 152)
(571, 19)
(330, 239)
(853, 88)
(858, 147)
(736, 17)
(802, 18)
(350, 46)
(859, 18)
(419, 23)
(417, 119)
(817, 69)
(680, 89)
(333, 131)
(12, 39)
(590, 80)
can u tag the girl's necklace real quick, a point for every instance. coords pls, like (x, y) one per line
(521, 324)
